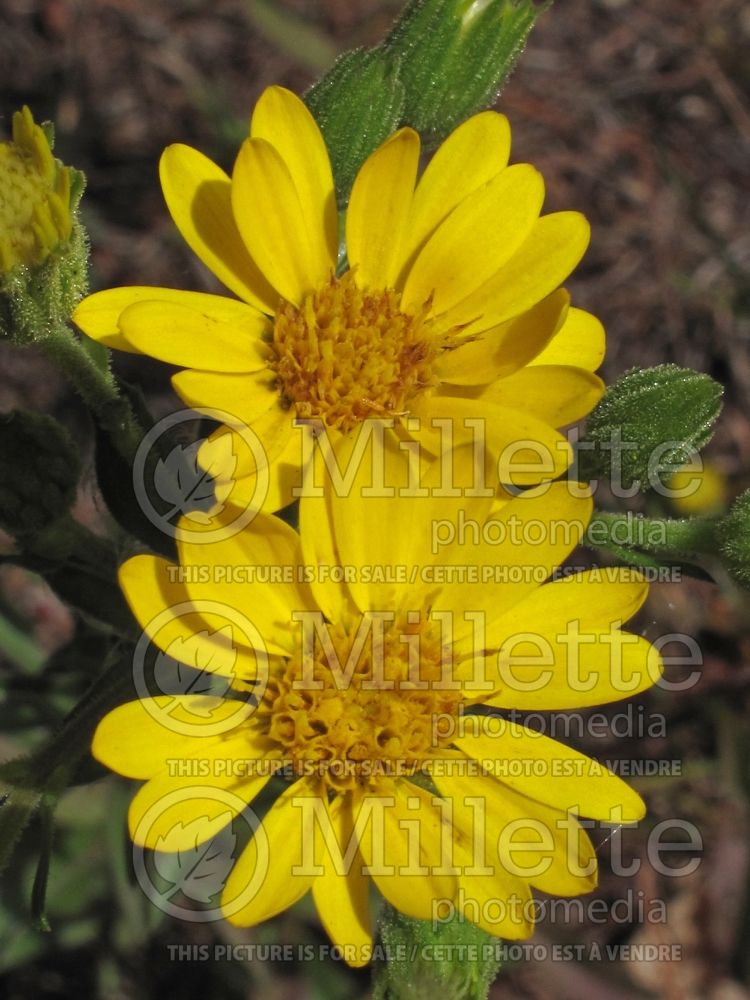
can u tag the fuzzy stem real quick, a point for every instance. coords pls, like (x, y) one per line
(98, 389)
(672, 538)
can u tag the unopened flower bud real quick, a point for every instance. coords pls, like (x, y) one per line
(733, 537)
(43, 249)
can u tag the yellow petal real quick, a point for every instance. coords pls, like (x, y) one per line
(575, 667)
(176, 811)
(504, 349)
(273, 223)
(199, 635)
(198, 196)
(598, 598)
(256, 573)
(507, 842)
(341, 893)
(244, 396)
(555, 394)
(524, 448)
(489, 896)
(553, 247)
(580, 342)
(98, 315)
(278, 847)
(258, 468)
(550, 772)
(476, 240)
(223, 339)
(282, 119)
(407, 847)
(320, 551)
(561, 859)
(138, 743)
(514, 552)
(388, 564)
(378, 214)
(471, 155)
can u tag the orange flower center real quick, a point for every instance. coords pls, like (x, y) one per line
(361, 703)
(346, 355)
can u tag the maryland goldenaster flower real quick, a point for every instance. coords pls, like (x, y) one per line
(444, 304)
(381, 644)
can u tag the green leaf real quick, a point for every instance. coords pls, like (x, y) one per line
(39, 889)
(17, 806)
(115, 477)
(442, 61)
(357, 105)
(650, 422)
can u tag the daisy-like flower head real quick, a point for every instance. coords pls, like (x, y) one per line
(443, 304)
(384, 652)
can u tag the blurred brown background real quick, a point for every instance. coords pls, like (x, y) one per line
(638, 114)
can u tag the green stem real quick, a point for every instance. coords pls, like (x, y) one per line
(688, 538)
(19, 648)
(39, 888)
(98, 389)
(26, 781)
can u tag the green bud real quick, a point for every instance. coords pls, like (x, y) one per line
(43, 249)
(650, 422)
(733, 539)
(39, 472)
(443, 61)
(357, 104)
(455, 56)
(422, 961)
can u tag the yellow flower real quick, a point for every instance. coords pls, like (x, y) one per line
(35, 197)
(445, 304)
(380, 645)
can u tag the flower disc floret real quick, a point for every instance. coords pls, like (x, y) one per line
(345, 355)
(379, 709)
